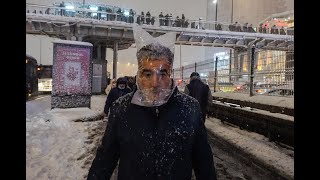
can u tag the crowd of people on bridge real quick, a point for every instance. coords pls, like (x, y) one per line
(113, 13)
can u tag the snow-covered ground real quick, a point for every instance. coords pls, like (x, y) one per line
(287, 102)
(257, 146)
(58, 147)
(61, 143)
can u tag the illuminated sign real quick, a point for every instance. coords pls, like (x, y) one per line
(71, 74)
(45, 85)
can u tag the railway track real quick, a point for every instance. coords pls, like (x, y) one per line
(276, 126)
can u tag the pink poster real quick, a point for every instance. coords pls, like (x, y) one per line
(71, 70)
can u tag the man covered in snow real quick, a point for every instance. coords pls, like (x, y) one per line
(156, 132)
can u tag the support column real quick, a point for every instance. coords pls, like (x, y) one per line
(230, 57)
(104, 68)
(251, 68)
(100, 61)
(236, 64)
(99, 52)
(97, 69)
(115, 59)
(215, 75)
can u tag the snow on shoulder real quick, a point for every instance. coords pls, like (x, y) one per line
(60, 41)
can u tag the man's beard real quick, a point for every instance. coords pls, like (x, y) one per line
(155, 96)
(152, 96)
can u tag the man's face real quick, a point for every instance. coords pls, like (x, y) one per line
(153, 78)
(114, 84)
(122, 86)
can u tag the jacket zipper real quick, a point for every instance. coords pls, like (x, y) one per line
(157, 112)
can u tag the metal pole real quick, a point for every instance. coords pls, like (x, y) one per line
(195, 67)
(232, 12)
(215, 75)
(252, 70)
(230, 61)
(180, 64)
(40, 50)
(217, 11)
(115, 59)
(182, 73)
(83, 13)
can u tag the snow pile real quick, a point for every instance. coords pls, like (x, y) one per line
(57, 145)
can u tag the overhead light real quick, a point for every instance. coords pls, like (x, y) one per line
(93, 8)
(214, 1)
(69, 7)
(126, 13)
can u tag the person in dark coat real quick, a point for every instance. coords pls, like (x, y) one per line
(148, 17)
(161, 21)
(156, 132)
(200, 91)
(121, 89)
(132, 83)
(142, 17)
(282, 32)
(166, 20)
(131, 16)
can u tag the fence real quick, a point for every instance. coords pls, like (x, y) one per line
(272, 72)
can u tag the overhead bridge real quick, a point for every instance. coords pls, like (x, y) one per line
(98, 31)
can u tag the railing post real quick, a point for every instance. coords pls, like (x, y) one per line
(252, 70)
(230, 61)
(215, 75)
(182, 73)
(115, 59)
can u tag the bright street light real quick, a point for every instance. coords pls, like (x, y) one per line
(214, 1)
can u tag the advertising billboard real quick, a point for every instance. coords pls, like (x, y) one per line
(71, 74)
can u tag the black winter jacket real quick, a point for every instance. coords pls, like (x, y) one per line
(155, 143)
(113, 95)
(199, 91)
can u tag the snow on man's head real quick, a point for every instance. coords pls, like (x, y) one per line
(155, 52)
(148, 47)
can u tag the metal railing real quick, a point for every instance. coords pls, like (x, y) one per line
(109, 13)
(272, 72)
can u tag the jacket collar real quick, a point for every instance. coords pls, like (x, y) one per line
(138, 97)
